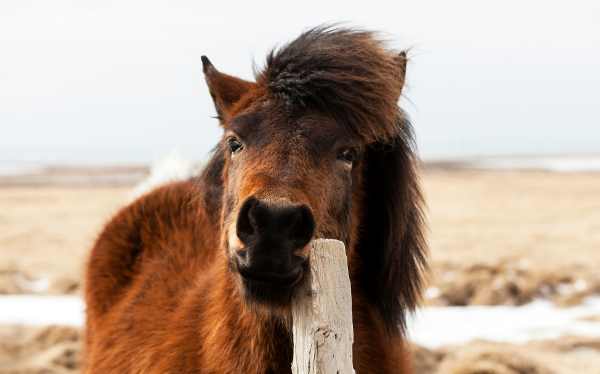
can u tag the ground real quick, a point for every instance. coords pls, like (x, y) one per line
(496, 238)
(507, 237)
(47, 232)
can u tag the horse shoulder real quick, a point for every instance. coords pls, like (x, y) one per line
(160, 236)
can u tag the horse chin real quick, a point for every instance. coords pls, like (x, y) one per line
(271, 297)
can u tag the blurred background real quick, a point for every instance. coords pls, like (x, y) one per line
(100, 100)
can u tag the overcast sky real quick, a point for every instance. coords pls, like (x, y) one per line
(121, 81)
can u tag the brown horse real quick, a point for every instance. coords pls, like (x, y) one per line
(197, 276)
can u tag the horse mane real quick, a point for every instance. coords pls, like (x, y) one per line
(347, 73)
(391, 245)
(212, 180)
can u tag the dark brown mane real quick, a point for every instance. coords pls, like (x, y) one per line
(392, 245)
(344, 72)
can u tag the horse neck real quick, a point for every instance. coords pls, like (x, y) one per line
(233, 332)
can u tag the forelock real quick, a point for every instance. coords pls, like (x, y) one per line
(346, 73)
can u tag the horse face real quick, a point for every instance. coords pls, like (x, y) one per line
(288, 179)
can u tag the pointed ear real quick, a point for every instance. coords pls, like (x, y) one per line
(391, 246)
(224, 89)
(400, 61)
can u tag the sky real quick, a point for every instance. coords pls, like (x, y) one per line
(121, 81)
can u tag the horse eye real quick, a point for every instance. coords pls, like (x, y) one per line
(347, 155)
(234, 145)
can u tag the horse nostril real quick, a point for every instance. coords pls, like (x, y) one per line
(246, 224)
(303, 227)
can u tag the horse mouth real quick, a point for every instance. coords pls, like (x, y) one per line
(286, 280)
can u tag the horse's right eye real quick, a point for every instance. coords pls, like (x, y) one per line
(234, 145)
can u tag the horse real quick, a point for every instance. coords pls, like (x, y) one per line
(197, 276)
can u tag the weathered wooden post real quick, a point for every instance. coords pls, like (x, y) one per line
(322, 314)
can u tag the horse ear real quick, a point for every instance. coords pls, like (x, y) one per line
(400, 60)
(225, 90)
(391, 246)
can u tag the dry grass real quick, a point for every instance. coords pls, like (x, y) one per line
(506, 237)
(39, 350)
(46, 232)
(548, 220)
(570, 355)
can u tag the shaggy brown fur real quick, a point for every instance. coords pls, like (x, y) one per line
(320, 133)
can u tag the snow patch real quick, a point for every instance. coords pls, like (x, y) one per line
(171, 168)
(561, 164)
(34, 285)
(437, 326)
(41, 310)
(432, 293)
(431, 327)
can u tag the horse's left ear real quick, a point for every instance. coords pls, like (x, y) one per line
(225, 90)
(391, 244)
(400, 61)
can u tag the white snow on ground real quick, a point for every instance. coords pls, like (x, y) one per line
(437, 326)
(171, 168)
(41, 310)
(563, 164)
(431, 327)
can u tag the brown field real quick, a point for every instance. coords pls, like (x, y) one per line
(507, 237)
(57, 350)
(495, 238)
(46, 232)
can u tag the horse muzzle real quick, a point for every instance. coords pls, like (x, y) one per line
(273, 236)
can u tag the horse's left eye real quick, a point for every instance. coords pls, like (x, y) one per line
(347, 155)
(234, 145)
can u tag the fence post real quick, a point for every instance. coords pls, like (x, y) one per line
(322, 313)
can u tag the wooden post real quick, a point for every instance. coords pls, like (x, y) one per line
(322, 314)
